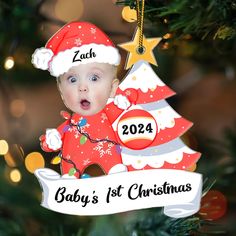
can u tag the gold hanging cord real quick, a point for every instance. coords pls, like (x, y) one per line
(140, 16)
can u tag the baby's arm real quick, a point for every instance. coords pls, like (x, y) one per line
(122, 101)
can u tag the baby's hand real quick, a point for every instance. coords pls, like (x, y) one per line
(121, 101)
(53, 139)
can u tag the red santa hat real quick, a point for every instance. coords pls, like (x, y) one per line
(75, 43)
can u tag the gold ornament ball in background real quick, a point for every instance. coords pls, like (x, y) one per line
(129, 14)
(34, 161)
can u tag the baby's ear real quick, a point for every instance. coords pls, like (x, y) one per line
(114, 86)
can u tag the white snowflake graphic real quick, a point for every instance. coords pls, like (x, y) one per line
(110, 145)
(93, 30)
(103, 117)
(104, 149)
(86, 162)
(72, 129)
(78, 130)
(78, 42)
(83, 128)
(128, 93)
(108, 151)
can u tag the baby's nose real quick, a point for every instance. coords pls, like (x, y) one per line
(83, 88)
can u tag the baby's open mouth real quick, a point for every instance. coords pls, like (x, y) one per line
(84, 104)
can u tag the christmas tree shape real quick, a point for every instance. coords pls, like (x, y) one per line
(149, 131)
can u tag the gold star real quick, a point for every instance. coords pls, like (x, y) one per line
(148, 43)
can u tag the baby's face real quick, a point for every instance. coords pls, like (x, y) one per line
(86, 88)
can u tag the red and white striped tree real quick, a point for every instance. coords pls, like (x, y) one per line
(149, 131)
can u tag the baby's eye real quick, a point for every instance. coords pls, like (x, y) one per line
(72, 79)
(94, 78)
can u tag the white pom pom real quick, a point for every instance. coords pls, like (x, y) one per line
(41, 58)
(53, 139)
(121, 101)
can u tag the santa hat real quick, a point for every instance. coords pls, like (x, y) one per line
(75, 43)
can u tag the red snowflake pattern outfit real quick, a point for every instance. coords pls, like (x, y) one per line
(79, 149)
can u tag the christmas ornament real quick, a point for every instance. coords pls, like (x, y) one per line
(34, 161)
(213, 205)
(129, 14)
(140, 53)
(164, 149)
(149, 128)
(137, 129)
(140, 48)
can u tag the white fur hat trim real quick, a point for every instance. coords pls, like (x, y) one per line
(64, 60)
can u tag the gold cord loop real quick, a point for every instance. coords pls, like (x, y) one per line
(140, 17)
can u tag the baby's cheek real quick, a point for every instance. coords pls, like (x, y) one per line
(69, 99)
(101, 99)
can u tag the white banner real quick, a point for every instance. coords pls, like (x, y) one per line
(179, 192)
